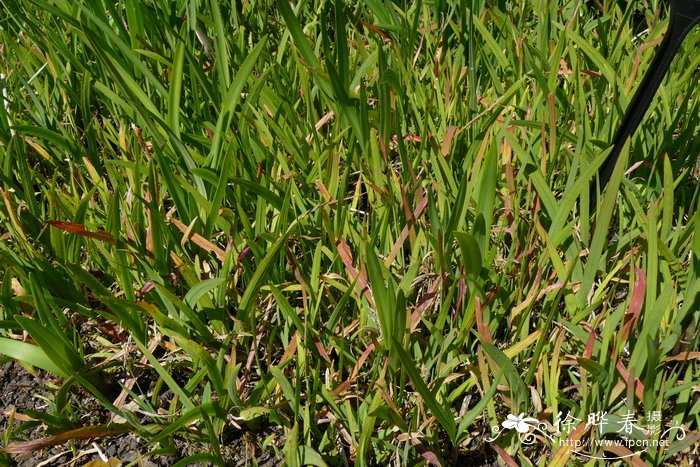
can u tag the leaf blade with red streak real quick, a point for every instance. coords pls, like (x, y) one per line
(79, 229)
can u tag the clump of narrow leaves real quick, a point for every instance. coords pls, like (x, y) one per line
(354, 233)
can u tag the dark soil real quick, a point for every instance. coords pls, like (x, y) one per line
(23, 392)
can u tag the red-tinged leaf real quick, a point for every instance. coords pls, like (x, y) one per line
(462, 293)
(149, 230)
(530, 298)
(622, 452)
(481, 326)
(341, 388)
(322, 351)
(452, 131)
(638, 385)
(361, 361)
(323, 190)
(375, 29)
(346, 257)
(424, 303)
(79, 229)
(198, 239)
(504, 455)
(683, 357)
(588, 350)
(427, 454)
(410, 218)
(635, 309)
(86, 432)
(291, 348)
(243, 254)
(406, 231)
(413, 138)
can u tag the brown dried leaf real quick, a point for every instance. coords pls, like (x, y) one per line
(198, 239)
(447, 141)
(683, 357)
(86, 432)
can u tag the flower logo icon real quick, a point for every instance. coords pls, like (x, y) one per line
(521, 423)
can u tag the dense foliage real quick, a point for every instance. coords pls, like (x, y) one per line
(359, 230)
